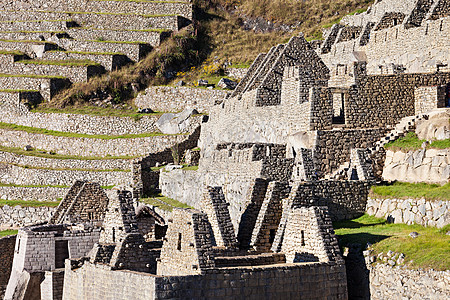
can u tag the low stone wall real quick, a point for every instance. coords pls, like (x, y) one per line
(17, 216)
(410, 211)
(32, 193)
(52, 163)
(77, 123)
(318, 281)
(388, 282)
(137, 7)
(89, 146)
(11, 174)
(424, 165)
(165, 98)
(7, 245)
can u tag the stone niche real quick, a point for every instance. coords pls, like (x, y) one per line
(427, 98)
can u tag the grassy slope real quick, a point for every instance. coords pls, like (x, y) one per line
(430, 250)
(411, 142)
(412, 190)
(230, 42)
(218, 37)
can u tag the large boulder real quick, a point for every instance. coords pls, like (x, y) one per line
(436, 127)
(170, 123)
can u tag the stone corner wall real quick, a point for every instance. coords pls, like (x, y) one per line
(7, 245)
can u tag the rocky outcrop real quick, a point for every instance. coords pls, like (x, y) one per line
(424, 165)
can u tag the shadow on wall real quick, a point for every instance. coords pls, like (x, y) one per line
(305, 257)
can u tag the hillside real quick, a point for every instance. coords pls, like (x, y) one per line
(222, 35)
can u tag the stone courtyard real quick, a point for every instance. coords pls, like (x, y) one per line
(295, 146)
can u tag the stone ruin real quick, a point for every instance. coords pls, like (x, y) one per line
(296, 146)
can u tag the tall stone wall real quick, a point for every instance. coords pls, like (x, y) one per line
(318, 280)
(379, 101)
(7, 245)
(345, 199)
(332, 147)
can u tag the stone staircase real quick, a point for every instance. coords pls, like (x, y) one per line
(77, 39)
(405, 125)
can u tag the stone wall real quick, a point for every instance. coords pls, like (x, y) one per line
(31, 193)
(345, 199)
(89, 146)
(428, 98)
(424, 165)
(12, 174)
(410, 211)
(332, 147)
(17, 113)
(174, 99)
(388, 282)
(318, 280)
(17, 216)
(380, 101)
(237, 73)
(75, 164)
(182, 8)
(7, 245)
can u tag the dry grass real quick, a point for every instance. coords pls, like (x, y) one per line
(232, 43)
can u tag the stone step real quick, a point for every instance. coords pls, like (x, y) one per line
(31, 35)
(31, 48)
(110, 61)
(150, 36)
(100, 20)
(11, 97)
(76, 71)
(134, 51)
(47, 86)
(181, 8)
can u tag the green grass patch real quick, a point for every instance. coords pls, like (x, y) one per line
(4, 233)
(164, 203)
(35, 130)
(3, 52)
(29, 203)
(45, 154)
(84, 52)
(96, 111)
(66, 169)
(67, 63)
(32, 76)
(430, 249)
(441, 144)
(412, 190)
(190, 168)
(411, 142)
